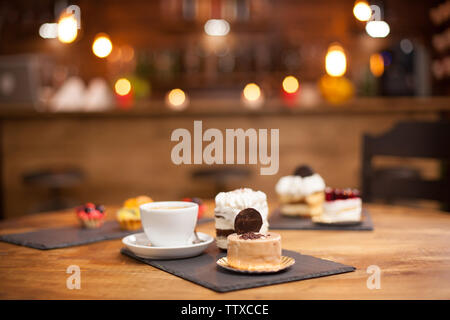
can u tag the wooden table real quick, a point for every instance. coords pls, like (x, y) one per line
(411, 246)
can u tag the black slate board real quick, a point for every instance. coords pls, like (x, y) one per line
(278, 221)
(56, 238)
(203, 270)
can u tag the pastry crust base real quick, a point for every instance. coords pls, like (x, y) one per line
(130, 224)
(311, 199)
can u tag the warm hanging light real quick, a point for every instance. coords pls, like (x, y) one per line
(362, 11)
(67, 28)
(335, 61)
(376, 64)
(122, 87)
(252, 96)
(102, 46)
(176, 99)
(48, 30)
(377, 29)
(290, 84)
(252, 92)
(217, 27)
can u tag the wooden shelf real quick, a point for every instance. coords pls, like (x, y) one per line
(232, 107)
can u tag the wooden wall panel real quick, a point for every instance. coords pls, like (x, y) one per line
(124, 157)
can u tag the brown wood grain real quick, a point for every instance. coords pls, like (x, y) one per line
(411, 246)
(136, 148)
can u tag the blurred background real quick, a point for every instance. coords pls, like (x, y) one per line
(90, 92)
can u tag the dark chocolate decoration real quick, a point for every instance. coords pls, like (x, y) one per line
(224, 233)
(250, 236)
(248, 220)
(303, 171)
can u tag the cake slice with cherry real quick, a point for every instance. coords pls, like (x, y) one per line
(340, 206)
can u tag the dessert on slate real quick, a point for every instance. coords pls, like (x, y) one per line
(129, 216)
(340, 206)
(301, 194)
(91, 215)
(250, 250)
(229, 204)
(201, 205)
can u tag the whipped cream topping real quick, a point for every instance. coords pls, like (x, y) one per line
(229, 204)
(300, 187)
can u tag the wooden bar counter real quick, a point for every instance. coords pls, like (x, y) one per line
(123, 153)
(411, 247)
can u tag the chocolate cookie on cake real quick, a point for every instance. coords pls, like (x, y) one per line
(301, 194)
(250, 250)
(229, 204)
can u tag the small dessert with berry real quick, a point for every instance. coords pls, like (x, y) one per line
(250, 250)
(301, 194)
(201, 205)
(91, 215)
(341, 206)
(229, 204)
(129, 216)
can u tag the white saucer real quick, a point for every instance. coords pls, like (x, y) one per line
(139, 244)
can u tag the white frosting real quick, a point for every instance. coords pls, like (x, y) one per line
(300, 186)
(341, 210)
(229, 204)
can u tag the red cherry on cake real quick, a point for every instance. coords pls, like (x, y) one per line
(338, 195)
(89, 205)
(329, 194)
(347, 193)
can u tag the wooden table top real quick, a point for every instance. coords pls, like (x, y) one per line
(411, 247)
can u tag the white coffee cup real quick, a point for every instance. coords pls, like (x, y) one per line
(169, 223)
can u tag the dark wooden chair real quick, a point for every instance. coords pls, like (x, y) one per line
(408, 139)
(56, 181)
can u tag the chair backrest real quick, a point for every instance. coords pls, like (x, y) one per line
(412, 139)
(408, 139)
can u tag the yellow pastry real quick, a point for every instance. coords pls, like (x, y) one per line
(129, 216)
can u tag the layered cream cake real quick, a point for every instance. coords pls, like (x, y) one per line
(249, 249)
(301, 194)
(254, 251)
(229, 204)
(340, 206)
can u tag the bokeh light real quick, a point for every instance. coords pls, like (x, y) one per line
(176, 99)
(102, 46)
(217, 27)
(376, 64)
(336, 90)
(362, 11)
(290, 84)
(252, 92)
(377, 29)
(48, 30)
(336, 61)
(67, 29)
(406, 46)
(122, 86)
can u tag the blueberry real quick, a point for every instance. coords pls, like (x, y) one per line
(100, 208)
